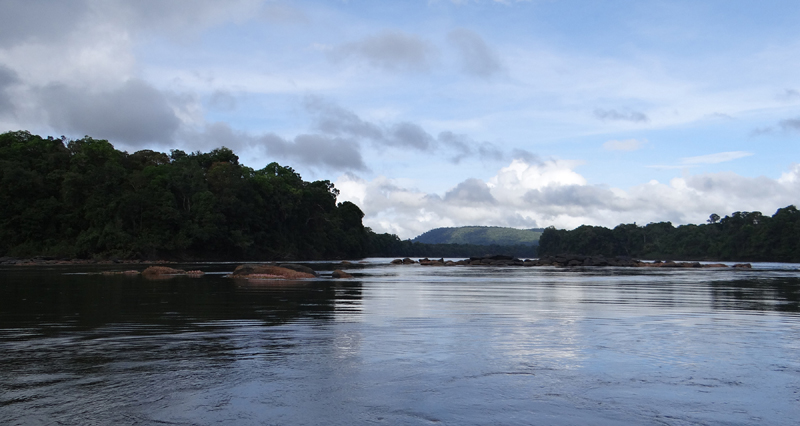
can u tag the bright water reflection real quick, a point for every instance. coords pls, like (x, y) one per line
(403, 345)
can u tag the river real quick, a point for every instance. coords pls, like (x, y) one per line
(402, 345)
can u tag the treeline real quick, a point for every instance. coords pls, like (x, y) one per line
(742, 236)
(389, 245)
(84, 199)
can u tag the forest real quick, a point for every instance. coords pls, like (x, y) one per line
(741, 236)
(84, 199)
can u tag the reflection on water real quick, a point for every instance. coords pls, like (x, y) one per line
(403, 345)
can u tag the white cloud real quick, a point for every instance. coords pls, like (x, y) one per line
(551, 193)
(719, 157)
(624, 145)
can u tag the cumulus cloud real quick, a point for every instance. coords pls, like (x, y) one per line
(477, 58)
(551, 192)
(389, 50)
(624, 145)
(614, 115)
(133, 113)
(471, 192)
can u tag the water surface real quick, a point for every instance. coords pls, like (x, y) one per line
(403, 345)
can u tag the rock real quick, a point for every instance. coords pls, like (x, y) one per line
(397, 262)
(162, 272)
(743, 266)
(267, 271)
(715, 265)
(340, 274)
(407, 261)
(299, 268)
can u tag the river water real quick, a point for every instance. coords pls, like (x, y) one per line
(403, 345)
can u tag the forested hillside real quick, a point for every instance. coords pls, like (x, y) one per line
(390, 245)
(742, 236)
(83, 198)
(481, 235)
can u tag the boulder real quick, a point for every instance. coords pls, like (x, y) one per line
(340, 274)
(397, 262)
(299, 268)
(267, 272)
(161, 271)
(743, 266)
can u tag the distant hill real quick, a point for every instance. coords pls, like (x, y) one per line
(481, 235)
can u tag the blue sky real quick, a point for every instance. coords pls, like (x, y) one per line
(437, 113)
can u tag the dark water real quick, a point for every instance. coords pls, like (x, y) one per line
(403, 345)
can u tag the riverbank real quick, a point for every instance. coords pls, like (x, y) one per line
(565, 260)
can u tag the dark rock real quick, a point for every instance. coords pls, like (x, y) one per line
(340, 274)
(299, 268)
(498, 257)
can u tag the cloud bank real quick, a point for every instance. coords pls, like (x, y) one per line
(539, 194)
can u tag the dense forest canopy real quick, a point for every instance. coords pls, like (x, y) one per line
(481, 235)
(83, 198)
(744, 236)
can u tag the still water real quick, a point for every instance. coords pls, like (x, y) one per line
(403, 345)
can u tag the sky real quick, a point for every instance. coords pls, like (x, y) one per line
(437, 113)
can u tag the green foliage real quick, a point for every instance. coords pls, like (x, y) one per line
(481, 235)
(742, 236)
(83, 198)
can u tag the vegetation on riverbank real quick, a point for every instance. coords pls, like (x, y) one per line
(83, 199)
(742, 236)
